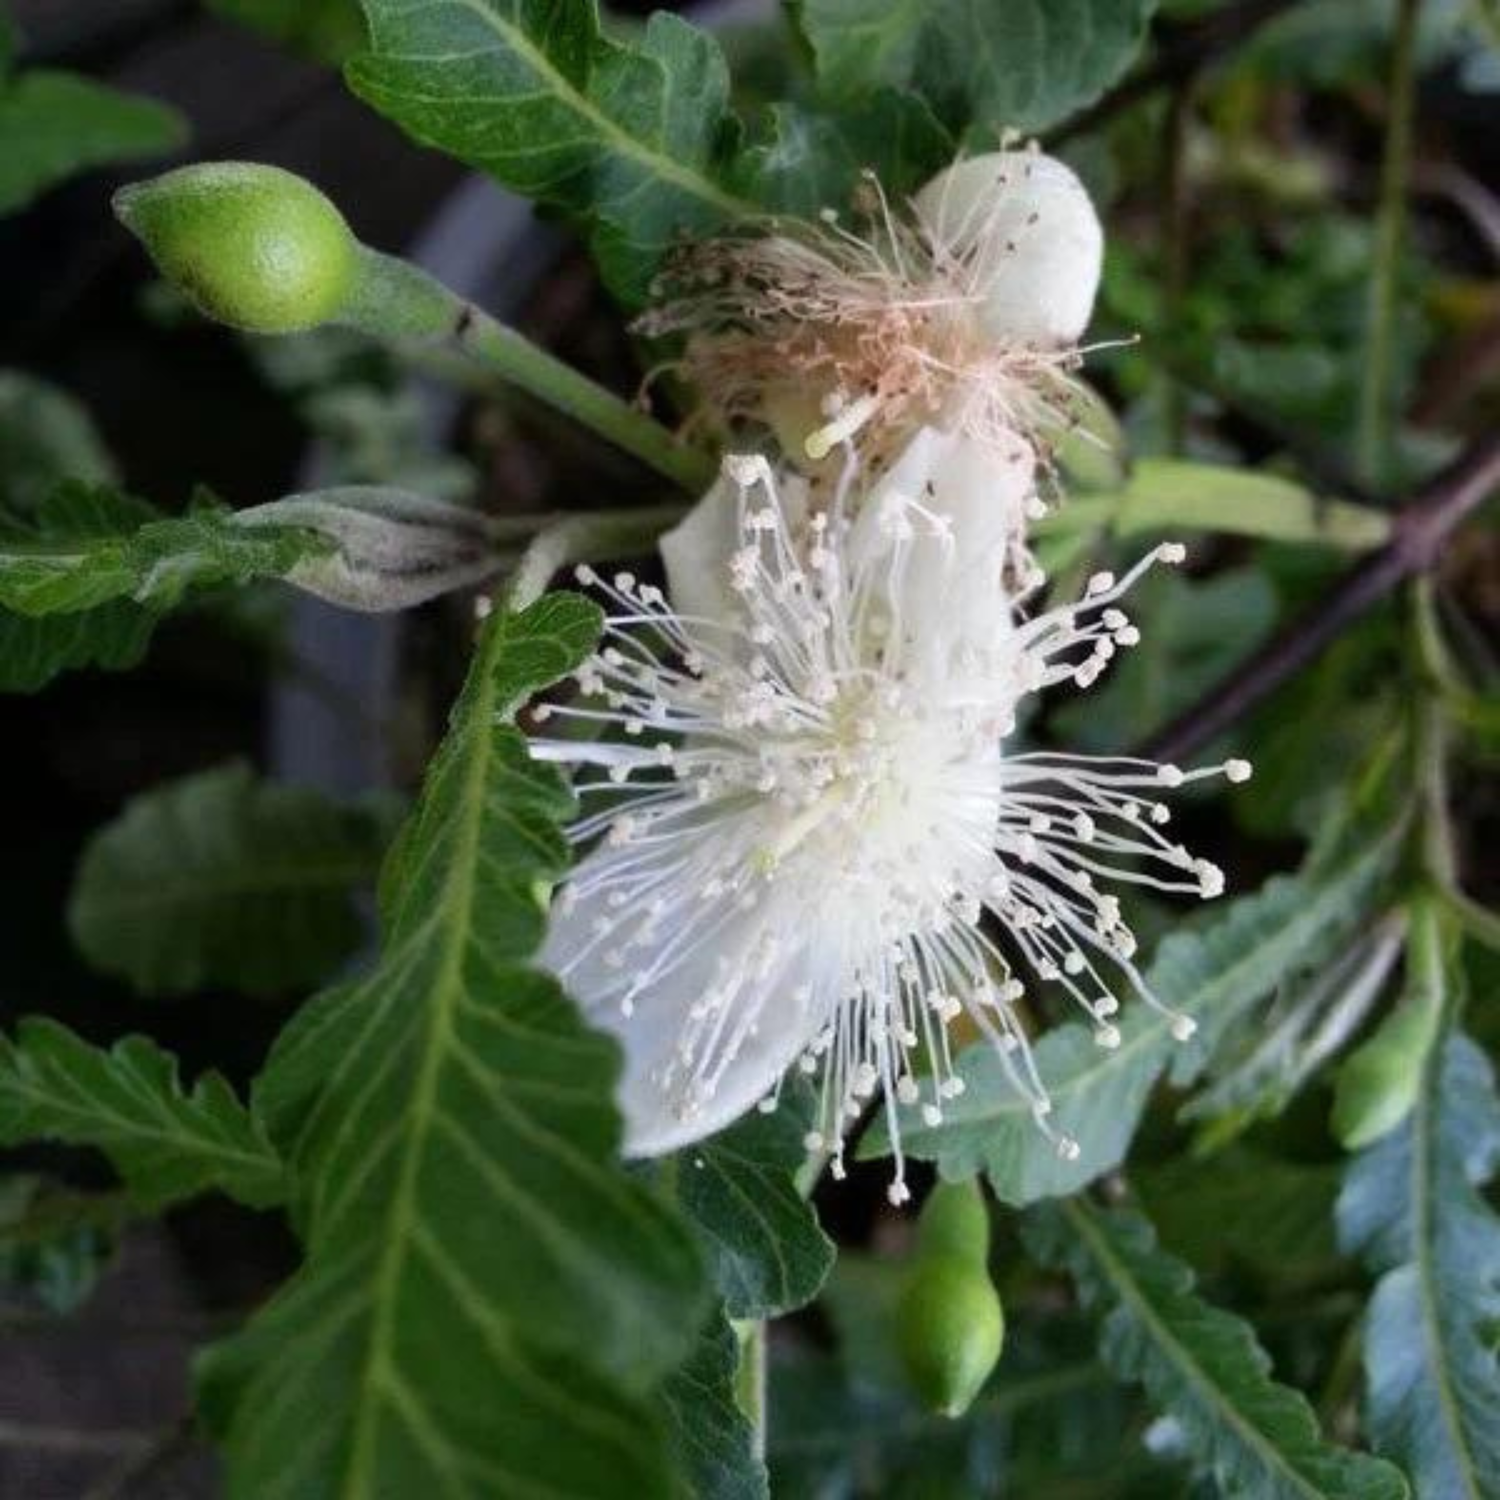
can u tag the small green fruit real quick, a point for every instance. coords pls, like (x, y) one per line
(949, 1322)
(249, 245)
(949, 1328)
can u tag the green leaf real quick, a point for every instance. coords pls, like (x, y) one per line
(1214, 974)
(713, 1443)
(45, 435)
(222, 879)
(1174, 495)
(53, 125)
(769, 1253)
(165, 1142)
(34, 651)
(803, 161)
(1412, 1206)
(632, 139)
(326, 30)
(1020, 64)
(1204, 1367)
(487, 1294)
(89, 545)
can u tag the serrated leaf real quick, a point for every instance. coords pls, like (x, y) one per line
(89, 545)
(1213, 974)
(53, 125)
(769, 1253)
(986, 64)
(1203, 1366)
(632, 139)
(166, 1142)
(219, 878)
(1413, 1208)
(487, 1294)
(712, 1440)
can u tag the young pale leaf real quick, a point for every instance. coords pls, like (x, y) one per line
(55, 124)
(712, 1441)
(486, 1293)
(1259, 1439)
(1212, 974)
(167, 1143)
(633, 139)
(90, 545)
(223, 879)
(770, 1255)
(1024, 64)
(1412, 1207)
(54, 1243)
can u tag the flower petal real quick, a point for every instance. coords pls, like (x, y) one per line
(1034, 238)
(661, 1093)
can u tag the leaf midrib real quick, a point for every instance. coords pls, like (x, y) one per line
(455, 903)
(1124, 1283)
(1423, 1225)
(620, 140)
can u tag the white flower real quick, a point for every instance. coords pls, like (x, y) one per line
(963, 314)
(815, 849)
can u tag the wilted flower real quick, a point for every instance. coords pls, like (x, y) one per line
(963, 314)
(816, 847)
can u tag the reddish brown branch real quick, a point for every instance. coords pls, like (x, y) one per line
(1420, 530)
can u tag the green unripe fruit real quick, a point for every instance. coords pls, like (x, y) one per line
(1378, 1082)
(949, 1328)
(249, 245)
(949, 1322)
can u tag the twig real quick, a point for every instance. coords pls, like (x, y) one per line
(1419, 532)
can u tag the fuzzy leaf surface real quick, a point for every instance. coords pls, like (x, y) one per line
(1259, 1439)
(220, 878)
(166, 1142)
(90, 545)
(712, 1440)
(633, 139)
(768, 1251)
(482, 1276)
(1412, 1206)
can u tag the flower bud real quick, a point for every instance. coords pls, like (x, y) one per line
(949, 1322)
(249, 245)
(391, 549)
(1028, 228)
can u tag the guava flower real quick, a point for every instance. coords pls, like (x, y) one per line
(962, 312)
(816, 845)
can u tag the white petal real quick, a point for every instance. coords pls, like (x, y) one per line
(697, 551)
(950, 594)
(1037, 245)
(661, 1118)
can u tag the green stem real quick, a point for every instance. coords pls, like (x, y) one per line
(586, 535)
(1174, 232)
(396, 302)
(1376, 406)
